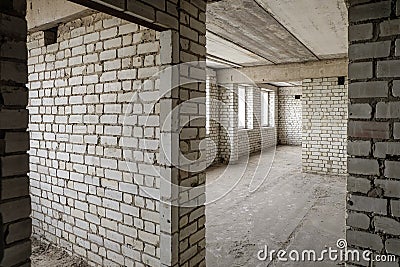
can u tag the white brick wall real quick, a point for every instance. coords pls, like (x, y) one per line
(325, 108)
(212, 113)
(257, 138)
(85, 197)
(289, 116)
(238, 142)
(15, 204)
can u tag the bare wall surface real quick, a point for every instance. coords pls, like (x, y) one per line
(94, 179)
(289, 116)
(231, 141)
(373, 165)
(117, 64)
(324, 120)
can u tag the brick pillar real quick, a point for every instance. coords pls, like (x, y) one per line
(182, 210)
(374, 127)
(14, 140)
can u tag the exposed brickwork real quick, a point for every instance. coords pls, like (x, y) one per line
(233, 142)
(374, 185)
(324, 126)
(213, 126)
(289, 116)
(155, 14)
(15, 205)
(112, 69)
(228, 116)
(256, 137)
(89, 194)
(183, 227)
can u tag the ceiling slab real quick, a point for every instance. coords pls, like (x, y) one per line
(321, 25)
(221, 48)
(247, 24)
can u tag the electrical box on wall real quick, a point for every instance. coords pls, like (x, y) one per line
(341, 80)
(50, 36)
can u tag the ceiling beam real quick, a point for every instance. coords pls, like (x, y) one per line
(135, 13)
(285, 72)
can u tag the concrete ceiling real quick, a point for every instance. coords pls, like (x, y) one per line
(262, 32)
(245, 33)
(232, 52)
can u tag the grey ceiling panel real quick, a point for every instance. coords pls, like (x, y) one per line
(247, 24)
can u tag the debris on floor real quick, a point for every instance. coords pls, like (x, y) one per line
(47, 255)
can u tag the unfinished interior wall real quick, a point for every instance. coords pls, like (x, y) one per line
(324, 142)
(94, 186)
(374, 132)
(212, 112)
(15, 206)
(228, 115)
(257, 137)
(183, 229)
(181, 238)
(231, 141)
(289, 116)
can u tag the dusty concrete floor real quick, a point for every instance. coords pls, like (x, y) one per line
(44, 255)
(289, 211)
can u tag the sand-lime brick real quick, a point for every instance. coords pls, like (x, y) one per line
(373, 148)
(325, 111)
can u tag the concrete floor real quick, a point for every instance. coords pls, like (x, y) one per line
(289, 211)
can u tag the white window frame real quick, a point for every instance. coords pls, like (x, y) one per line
(265, 108)
(241, 107)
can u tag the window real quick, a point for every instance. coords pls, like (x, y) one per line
(241, 107)
(265, 108)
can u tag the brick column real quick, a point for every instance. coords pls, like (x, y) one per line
(182, 210)
(14, 140)
(374, 126)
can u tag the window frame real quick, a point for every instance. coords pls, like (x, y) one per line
(241, 92)
(265, 109)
